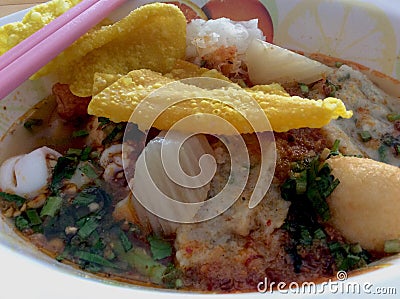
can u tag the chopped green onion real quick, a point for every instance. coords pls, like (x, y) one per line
(86, 153)
(114, 134)
(74, 152)
(125, 241)
(159, 248)
(319, 234)
(32, 122)
(241, 83)
(335, 148)
(64, 169)
(304, 88)
(356, 248)
(84, 199)
(33, 217)
(94, 155)
(178, 283)
(392, 246)
(144, 264)
(171, 277)
(333, 88)
(96, 241)
(305, 236)
(52, 206)
(21, 223)
(387, 139)
(382, 154)
(80, 133)
(397, 149)
(88, 227)
(338, 64)
(301, 182)
(328, 191)
(348, 257)
(393, 117)
(353, 259)
(103, 121)
(365, 136)
(89, 171)
(18, 200)
(94, 258)
(335, 246)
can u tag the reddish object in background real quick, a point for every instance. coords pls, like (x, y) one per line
(188, 11)
(240, 10)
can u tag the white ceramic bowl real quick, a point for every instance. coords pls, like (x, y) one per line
(364, 31)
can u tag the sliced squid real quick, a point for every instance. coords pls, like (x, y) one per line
(111, 161)
(365, 206)
(28, 175)
(149, 188)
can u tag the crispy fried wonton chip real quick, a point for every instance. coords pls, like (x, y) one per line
(102, 81)
(184, 69)
(13, 33)
(152, 37)
(118, 101)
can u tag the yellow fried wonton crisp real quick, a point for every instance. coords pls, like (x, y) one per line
(39, 16)
(118, 101)
(152, 37)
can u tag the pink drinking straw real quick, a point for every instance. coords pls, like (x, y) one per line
(29, 56)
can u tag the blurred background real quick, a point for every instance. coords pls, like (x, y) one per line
(9, 6)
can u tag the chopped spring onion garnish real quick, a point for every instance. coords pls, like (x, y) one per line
(319, 234)
(80, 133)
(82, 153)
(32, 122)
(103, 121)
(74, 152)
(33, 217)
(114, 135)
(18, 200)
(126, 244)
(52, 206)
(88, 227)
(21, 223)
(338, 64)
(348, 256)
(142, 262)
(159, 248)
(332, 88)
(94, 258)
(304, 88)
(84, 199)
(382, 150)
(365, 136)
(86, 153)
(388, 139)
(301, 182)
(64, 169)
(313, 185)
(397, 149)
(89, 171)
(393, 117)
(335, 148)
(392, 246)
